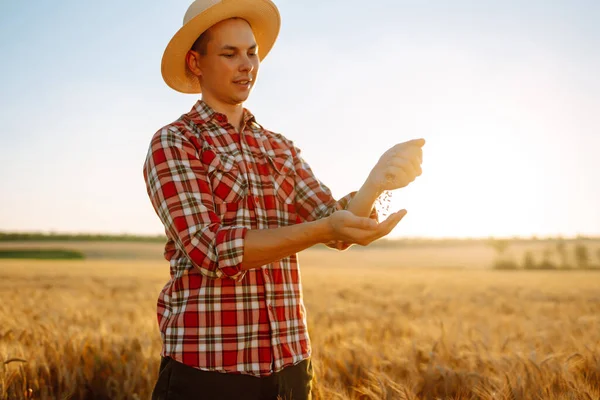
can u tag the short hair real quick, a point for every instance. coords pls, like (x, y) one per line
(201, 43)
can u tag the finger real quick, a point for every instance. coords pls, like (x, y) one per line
(416, 142)
(415, 154)
(363, 237)
(419, 154)
(412, 162)
(405, 170)
(416, 164)
(390, 222)
(410, 170)
(407, 152)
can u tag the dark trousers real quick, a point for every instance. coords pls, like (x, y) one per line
(177, 381)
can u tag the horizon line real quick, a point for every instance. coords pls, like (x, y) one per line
(162, 235)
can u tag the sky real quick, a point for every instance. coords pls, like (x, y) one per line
(506, 94)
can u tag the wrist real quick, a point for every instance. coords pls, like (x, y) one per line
(325, 232)
(372, 189)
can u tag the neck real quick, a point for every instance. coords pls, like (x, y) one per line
(234, 112)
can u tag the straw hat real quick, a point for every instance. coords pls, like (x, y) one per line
(262, 15)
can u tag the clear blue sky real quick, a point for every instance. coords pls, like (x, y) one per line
(507, 94)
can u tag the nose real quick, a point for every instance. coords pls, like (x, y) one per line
(246, 64)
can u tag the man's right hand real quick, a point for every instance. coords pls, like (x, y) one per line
(350, 229)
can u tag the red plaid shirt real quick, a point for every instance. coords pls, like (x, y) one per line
(209, 184)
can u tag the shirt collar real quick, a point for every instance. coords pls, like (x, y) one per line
(202, 113)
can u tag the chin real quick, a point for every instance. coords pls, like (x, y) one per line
(239, 99)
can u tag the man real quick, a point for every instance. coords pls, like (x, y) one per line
(238, 202)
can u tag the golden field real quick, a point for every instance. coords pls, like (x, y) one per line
(412, 323)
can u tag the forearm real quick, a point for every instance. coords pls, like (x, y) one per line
(263, 246)
(363, 201)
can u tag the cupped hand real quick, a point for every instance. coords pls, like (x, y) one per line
(350, 229)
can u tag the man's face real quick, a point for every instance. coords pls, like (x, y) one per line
(230, 65)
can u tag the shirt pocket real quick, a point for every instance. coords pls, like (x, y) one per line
(283, 176)
(228, 183)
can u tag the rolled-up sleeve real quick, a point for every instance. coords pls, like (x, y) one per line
(178, 186)
(314, 199)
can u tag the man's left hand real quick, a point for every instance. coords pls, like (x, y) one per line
(398, 166)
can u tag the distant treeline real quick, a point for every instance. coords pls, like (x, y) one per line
(39, 236)
(42, 254)
(392, 243)
(556, 254)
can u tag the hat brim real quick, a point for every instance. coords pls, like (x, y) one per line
(262, 15)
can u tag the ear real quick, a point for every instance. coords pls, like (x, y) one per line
(192, 61)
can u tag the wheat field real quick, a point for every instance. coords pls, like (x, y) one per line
(380, 329)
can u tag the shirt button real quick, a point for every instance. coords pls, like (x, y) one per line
(266, 272)
(270, 307)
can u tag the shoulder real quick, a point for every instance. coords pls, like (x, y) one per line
(173, 140)
(174, 134)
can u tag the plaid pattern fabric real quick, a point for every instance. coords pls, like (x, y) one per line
(209, 184)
